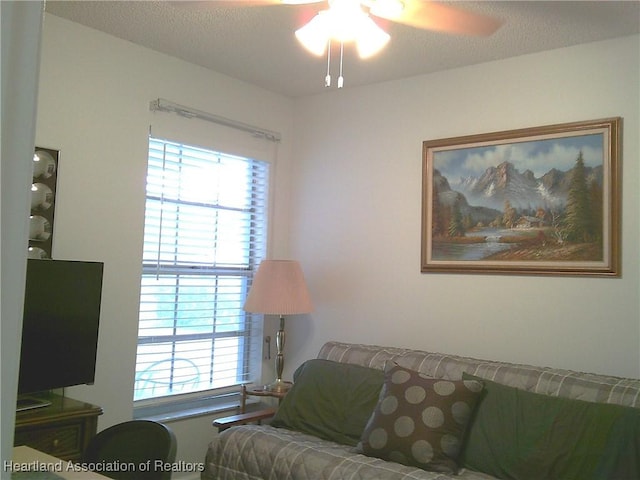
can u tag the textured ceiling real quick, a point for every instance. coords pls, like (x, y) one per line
(256, 43)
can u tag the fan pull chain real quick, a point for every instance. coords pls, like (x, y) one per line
(341, 78)
(327, 79)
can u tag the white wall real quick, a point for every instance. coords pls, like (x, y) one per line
(94, 107)
(356, 227)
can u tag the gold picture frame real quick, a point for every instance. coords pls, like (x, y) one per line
(541, 200)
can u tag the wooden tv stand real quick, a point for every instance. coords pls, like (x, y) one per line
(62, 429)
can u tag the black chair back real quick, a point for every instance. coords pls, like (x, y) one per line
(133, 450)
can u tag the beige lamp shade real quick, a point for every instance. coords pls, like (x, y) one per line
(279, 289)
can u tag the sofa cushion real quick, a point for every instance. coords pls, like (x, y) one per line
(420, 421)
(330, 400)
(522, 435)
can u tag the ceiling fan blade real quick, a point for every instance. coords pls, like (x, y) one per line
(430, 15)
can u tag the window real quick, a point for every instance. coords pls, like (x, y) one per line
(204, 237)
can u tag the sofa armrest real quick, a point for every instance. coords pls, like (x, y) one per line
(243, 418)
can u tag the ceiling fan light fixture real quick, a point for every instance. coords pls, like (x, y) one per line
(370, 38)
(344, 22)
(315, 35)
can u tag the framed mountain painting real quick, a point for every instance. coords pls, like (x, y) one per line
(542, 200)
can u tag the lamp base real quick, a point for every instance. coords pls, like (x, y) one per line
(278, 386)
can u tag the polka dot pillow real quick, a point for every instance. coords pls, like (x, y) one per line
(419, 420)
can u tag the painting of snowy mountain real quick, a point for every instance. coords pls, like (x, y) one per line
(541, 202)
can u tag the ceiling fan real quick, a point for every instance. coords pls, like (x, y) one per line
(346, 21)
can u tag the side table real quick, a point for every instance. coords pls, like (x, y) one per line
(245, 417)
(259, 391)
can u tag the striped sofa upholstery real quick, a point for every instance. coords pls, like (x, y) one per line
(548, 381)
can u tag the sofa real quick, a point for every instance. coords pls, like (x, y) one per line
(371, 412)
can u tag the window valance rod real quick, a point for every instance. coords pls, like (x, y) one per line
(161, 105)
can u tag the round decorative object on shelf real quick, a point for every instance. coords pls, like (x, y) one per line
(43, 164)
(43, 202)
(37, 253)
(39, 228)
(41, 196)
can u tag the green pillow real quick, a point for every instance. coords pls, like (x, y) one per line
(330, 400)
(522, 435)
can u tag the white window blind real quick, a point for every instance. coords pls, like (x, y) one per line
(205, 235)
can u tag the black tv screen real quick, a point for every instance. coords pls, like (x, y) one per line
(60, 324)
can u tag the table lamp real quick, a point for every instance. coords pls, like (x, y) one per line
(279, 289)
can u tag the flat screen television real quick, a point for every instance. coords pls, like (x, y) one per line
(60, 324)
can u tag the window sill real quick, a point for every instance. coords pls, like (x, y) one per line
(169, 412)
